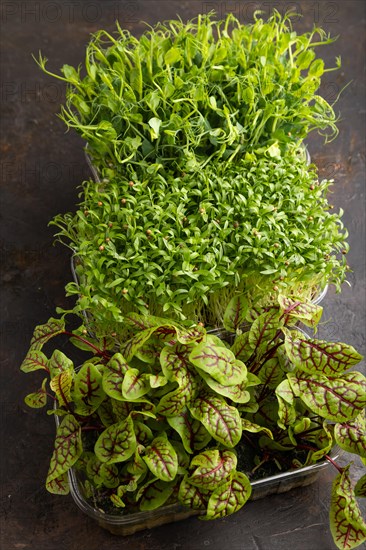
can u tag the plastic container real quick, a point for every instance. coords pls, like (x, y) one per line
(128, 524)
(320, 296)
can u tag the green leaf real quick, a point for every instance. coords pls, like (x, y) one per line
(351, 436)
(130, 348)
(43, 333)
(316, 68)
(61, 385)
(172, 403)
(37, 399)
(70, 73)
(117, 501)
(183, 457)
(102, 475)
(318, 356)
(59, 363)
(265, 329)
(220, 419)
(143, 433)
(286, 408)
(59, 485)
(213, 467)
(174, 361)
(271, 373)
(88, 391)
(310, 314)
(337, 399)
(229, 497)
(346, 523)
(155, 124)
(113, 376)
(117, 443)
(193, 434)
(161, 459)
(254, 428)
(235, 313)
(360, 487)
(134, 385)
(34, 360)
(154, 494)
(149, 351)
(323, 440)
(191, 335)
(305, 58)
(68, 448)
(219, 362)
(192, 497)
(236, 393)
(241, 348)
(172, 56)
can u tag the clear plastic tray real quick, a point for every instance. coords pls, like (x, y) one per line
(128, 524)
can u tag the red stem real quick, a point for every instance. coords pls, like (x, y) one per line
(97, 350)
(86, 428)
(310, 448)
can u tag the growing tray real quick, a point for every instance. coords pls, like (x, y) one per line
(127, 524)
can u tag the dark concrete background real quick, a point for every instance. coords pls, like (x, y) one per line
(41, 169)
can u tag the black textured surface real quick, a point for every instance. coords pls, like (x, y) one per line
(41, 168)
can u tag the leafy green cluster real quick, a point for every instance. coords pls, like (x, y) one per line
(184, 245)
(184, 94)
(164, 416)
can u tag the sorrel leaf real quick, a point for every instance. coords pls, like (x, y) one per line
(241, 347)
(155, 494)
(59, 485)
(271, 373)
(58, 363)
(264, 329)
(117, 443)
(338, 399)
(212, 467)
(174, 361)
(113, 375)
(346, 523)
(351, 436)
(249, 426)
(220, 419)
(88, 390)
(192, 432)
(149, 352)
(319, 356)
(235, 313)
(237, 393)
(34, 360)
(360, 487)
(294, 310)
(43, 333)
(229, 497)
(61, 385)
(134, 385)
(191, 496)
(191, 335)
(220, 363)
(101, 473)
(161, 459)
(130, 348)
(68, 448)
(38, 399)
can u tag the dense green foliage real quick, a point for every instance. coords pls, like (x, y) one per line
(185, 245)
(185, 94)
(177, 413)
